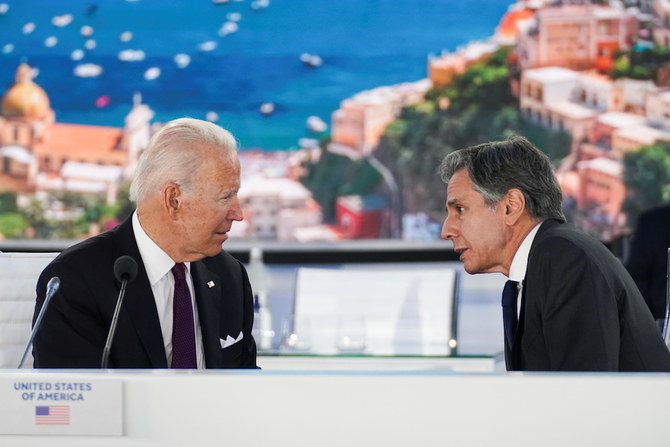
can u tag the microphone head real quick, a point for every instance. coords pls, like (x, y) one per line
(125, 267)
(53, 284)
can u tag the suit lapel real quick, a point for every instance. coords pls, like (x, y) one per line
(207, 286)
(139, 302)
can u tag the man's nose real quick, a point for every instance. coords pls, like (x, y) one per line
(235, 212)
(448, 229)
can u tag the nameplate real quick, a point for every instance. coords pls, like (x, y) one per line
(37, 404)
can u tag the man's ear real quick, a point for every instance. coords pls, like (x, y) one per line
(171, 198)
(515, 205)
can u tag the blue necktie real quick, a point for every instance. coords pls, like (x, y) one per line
(183, 326)
(510, 318)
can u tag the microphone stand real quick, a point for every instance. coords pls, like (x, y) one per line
(52, 287)
(112, 328)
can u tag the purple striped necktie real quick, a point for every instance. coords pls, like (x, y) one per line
(183, 326)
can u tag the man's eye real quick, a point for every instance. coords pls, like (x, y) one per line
(459, 209)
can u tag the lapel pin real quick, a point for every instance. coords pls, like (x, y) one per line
(210, 284)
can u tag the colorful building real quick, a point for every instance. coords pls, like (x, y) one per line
(41, 155)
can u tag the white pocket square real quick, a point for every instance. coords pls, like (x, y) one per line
(229, 341)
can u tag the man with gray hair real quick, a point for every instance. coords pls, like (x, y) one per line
(190, 305)
(569, 304)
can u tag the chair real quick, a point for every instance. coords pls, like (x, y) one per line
(382, 311)
(18, 276)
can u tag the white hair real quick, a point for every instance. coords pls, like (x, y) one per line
(174, 155)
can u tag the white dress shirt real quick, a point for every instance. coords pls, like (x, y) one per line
(517, 271)
(158, 266)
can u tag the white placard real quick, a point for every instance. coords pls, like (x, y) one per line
(37, 404)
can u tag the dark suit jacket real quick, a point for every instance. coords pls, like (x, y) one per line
(581, 311)
(74, 328)
(648, 259)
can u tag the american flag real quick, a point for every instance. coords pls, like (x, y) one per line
(52, 415)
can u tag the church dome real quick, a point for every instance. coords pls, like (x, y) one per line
(25, 98)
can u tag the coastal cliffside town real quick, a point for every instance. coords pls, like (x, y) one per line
(563, 55)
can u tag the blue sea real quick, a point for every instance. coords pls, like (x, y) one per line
(363, 44)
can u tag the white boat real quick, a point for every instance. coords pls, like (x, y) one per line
(86, 31)
(28, 28)
(316, 124)
(7, 48)
(267, 108)
(126, 36)
(4, 7)
(228, 28)
(212, 116)
(131, 55)
(87, 70)
(152, 73)
(234, 16)
(260, 4)
(51, 41)
(182, 60)
(207, 46)
(90, 44)
(62, 20)
(311, 60)
(77, 55)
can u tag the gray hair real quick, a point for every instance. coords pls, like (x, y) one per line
(174, 155)
(496, 167)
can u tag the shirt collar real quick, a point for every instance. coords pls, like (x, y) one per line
(156, 262)
(517, 271)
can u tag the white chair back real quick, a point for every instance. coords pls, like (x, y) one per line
(18, 277)
(375, 311)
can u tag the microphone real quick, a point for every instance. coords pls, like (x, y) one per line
(125, 271)
(52, 287)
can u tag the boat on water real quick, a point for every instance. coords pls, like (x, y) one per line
(152, 73)
(260, 4)
(87, 70)
(28, 28)
(267, 108)
(234, 16)
(207, 46)
(77, 55)
(131, 55)
(62, 20)
(316, 124)
(86, 31)
(311, 60)
(228, 28)
(182, 60)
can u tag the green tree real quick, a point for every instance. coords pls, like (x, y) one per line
(336, 175)
(13, 225)
(640, 63)
(476, 107)
(647, 178)
(8, 202)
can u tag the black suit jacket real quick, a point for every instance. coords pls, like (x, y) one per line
(75, 325)
(648, 259)
(581, 310)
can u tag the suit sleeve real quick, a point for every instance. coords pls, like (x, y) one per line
(576, 307)
(248, 359)
(72, 334)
